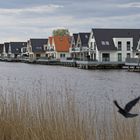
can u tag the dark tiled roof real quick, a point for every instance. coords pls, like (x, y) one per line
(84, 38)
(6, 44)
(1, 48)
(75, 36)
(37, 44)
(108, 35)
(16, 47)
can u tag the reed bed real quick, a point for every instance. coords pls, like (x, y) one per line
(58, 117)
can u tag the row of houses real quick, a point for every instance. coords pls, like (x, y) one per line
(49, 48)
(101, 45)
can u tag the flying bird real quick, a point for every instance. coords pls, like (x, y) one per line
(125, 111)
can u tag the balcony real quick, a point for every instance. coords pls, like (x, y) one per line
(76, 49)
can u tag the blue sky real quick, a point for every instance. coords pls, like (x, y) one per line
(24, 19)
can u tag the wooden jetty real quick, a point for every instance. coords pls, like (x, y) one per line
(69, 63)
(133, 64)
(45, 61)
(99, 65)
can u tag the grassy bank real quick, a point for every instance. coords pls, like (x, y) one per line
(58, 117)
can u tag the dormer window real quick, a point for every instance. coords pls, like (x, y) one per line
(105, 43)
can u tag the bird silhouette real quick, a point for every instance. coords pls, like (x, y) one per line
(125, 111)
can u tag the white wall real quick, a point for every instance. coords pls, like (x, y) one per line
(113, 54)
(124, 47)
(67, 54)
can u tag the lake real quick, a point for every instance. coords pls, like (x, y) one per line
(101, 86)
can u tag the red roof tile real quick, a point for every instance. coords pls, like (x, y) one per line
(62, 43)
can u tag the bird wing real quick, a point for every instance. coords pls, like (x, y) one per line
(129, 115)
(116, 103)
(130, 104)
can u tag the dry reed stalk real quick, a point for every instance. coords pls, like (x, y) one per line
(57, 117)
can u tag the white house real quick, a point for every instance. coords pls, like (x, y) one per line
(36, 48)
(79, 46)
(58, 47)
(113, 45)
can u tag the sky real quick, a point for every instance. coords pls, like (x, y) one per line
(21, 20)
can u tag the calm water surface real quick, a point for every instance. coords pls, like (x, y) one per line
(102, 85)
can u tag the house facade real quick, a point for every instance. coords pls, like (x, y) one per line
(79, 46)
(58, 47)
(13, 49)
(113, 45)
(36, 48)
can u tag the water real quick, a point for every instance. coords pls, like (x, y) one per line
(97, 88)
(101, 86)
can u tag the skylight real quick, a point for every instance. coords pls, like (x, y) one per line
(105, 43)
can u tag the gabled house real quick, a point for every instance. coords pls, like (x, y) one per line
(113, 45)
(13, 49)
(72, 49)
(58, 47)
(80, 48)
(50, 49)
(36, 48)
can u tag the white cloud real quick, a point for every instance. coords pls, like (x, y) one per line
(36, 9)
(39, 21)
(130, 5)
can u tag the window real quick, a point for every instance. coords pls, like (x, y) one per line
(139, 47)
(119, 57)
(79, 45)
(62, 55)
(107, 42)
(119, 45)
(103, 42)
(128, 55)
(105, 57)
(91, 44)
(94, 45)
(37, 55)
(86, 36)
(128, 45)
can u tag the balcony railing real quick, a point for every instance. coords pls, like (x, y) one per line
(75, 49)
(82, 49)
